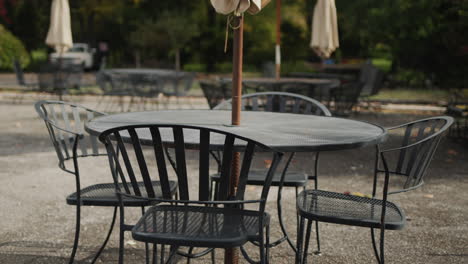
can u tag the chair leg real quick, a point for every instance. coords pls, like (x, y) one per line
(77, 233)
(382, 253)
(374, 246)
(190, 252)
(267, 248)
(317, 233)
(155, 254)
(299, 242)
(146, 244)
(162, 254)
(307, 240)
(107, 237)
(121, 235)
(172, 253)
(213, 256)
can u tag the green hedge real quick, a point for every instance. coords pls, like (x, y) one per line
(11, 48)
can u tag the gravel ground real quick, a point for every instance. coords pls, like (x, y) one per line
(37, 225)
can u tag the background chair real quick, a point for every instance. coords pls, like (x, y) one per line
(406, 156)
(457, 108)
(20, 76)
(193, 219)
(281, 102)
(371, 78)
(215, 92)
(65, 124)
(344, 98)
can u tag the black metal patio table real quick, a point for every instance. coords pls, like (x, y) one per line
(168, 82)
(281, 131)
(313, 87)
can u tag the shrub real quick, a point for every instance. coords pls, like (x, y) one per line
(11, 48)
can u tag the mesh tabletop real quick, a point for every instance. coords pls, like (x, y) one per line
(281, 131)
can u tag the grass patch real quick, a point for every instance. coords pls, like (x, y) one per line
(414, 94)
(383, 64)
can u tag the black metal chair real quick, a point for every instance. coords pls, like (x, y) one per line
(344, 98)
(215, 91)
(458, 109)
(65, 124)
(20, 76)
(406, 156)
(60, 77)
(193, 219)
(284, 103)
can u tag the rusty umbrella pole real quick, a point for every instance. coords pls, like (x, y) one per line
(231, 255)
(237, 69)
(278, 40)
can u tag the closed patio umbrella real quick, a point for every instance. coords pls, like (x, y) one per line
(324, 28)
(60, 36)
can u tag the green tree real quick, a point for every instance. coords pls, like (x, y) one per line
(11, 49)
(180, 29)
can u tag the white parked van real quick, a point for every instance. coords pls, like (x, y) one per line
(80, 53)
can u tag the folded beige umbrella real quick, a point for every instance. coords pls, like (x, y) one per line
(60, 35)
(324, 28)
(226, 7)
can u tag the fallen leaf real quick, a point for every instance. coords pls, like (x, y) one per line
(428, 196)
(452, 152)
(130, 242)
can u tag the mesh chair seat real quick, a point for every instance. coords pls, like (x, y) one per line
(198, 226)
(348, 209)
(293, 179)
(104, 195)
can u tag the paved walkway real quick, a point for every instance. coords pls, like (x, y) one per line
(37, 225)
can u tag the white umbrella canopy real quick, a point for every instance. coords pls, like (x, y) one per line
(324, 28)
(60, 35)
(226, 7)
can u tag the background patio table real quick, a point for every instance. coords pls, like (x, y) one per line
(318, 89)
(168, 82)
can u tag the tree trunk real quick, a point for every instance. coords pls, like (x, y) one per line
(177, 59)
(137, 59)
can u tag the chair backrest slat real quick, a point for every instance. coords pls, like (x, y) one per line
(92, 139)
(405, 142)
(141, 163)
(128, 165)
(79, 128)
(246, 163)
(296, 106)
(226, 172)
(116, 168)
(161, 161)
(204, 166)
(254, 103)
(63, 139)
(269, 104)
(282, 104)
(181, 165)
